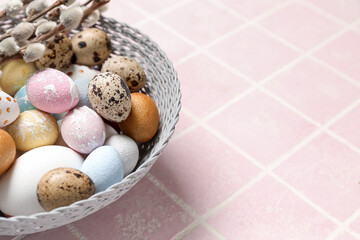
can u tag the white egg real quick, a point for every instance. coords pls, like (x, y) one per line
(18, 185)
(128, 150)
(9, 109)
(76, 72)
(109, 131)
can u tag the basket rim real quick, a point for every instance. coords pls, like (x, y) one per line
(129, 178)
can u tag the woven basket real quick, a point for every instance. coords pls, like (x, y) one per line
(162, 86)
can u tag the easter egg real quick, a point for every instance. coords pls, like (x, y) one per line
(15, 74)
(33, 129)
(127, 149)
(19, 184)
(7, 151)
(127, 69)
(83, 130)
(143, 121)
(58, 53)
(110, 97)
(59, 116)
(52, 91)
(109, 131)
(78, 72)
(9, 109)
(104, 166)
(23, 101)
(83, 85)
(91, 47)
(81, 75)
(63, 186)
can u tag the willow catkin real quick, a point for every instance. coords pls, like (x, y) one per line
(9, 47)
(71, 17)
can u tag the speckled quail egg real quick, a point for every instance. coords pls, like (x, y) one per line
(91, 47)
(128, 69)
(110, 97)
(63, 186)
(57, 55)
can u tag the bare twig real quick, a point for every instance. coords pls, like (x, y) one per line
(45, 11)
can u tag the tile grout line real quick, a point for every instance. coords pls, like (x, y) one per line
(182, 204)
(150, 16)
(20, 237)
(184, 232)
(322, 12)
(334, 70)
(72, 229)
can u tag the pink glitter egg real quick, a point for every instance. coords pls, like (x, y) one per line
(83, 130)
(52, 91)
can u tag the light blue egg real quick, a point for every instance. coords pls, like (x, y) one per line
(23, 101)
(82, 85)
(104, 166)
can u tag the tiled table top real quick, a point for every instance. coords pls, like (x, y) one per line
(268, 144)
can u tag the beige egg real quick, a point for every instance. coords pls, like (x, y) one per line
(143, 121)
(58, 53)
(15, 74)
(110, 97)
(91, 47)
(33, 129)
(128, 69)
(63, 186)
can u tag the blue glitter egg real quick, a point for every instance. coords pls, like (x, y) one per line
(23, 101)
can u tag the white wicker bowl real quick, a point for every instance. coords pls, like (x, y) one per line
(162, 86)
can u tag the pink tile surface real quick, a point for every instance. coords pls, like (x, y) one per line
(345, 236)
(348, 10)
(174, 47)
(212, 43)
(198, 21)
(327, 172)
(154, 6)
(348, 126)
(322, 98)
(225, 170)
(200, 233)
(6, 237)
(252, 8)
(344, 54)
(270, 211)
(261, 126)
(311, 28)
(356, 225)
(54, 234)
(144, 213)
(184, 123)
(253, 53)
(126, 14)
(208, 84)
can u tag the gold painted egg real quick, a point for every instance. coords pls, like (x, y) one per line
(33, 129)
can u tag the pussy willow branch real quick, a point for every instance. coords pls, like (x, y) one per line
(45, 11)
(3, 13)
(95, 5)
(34, 17)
